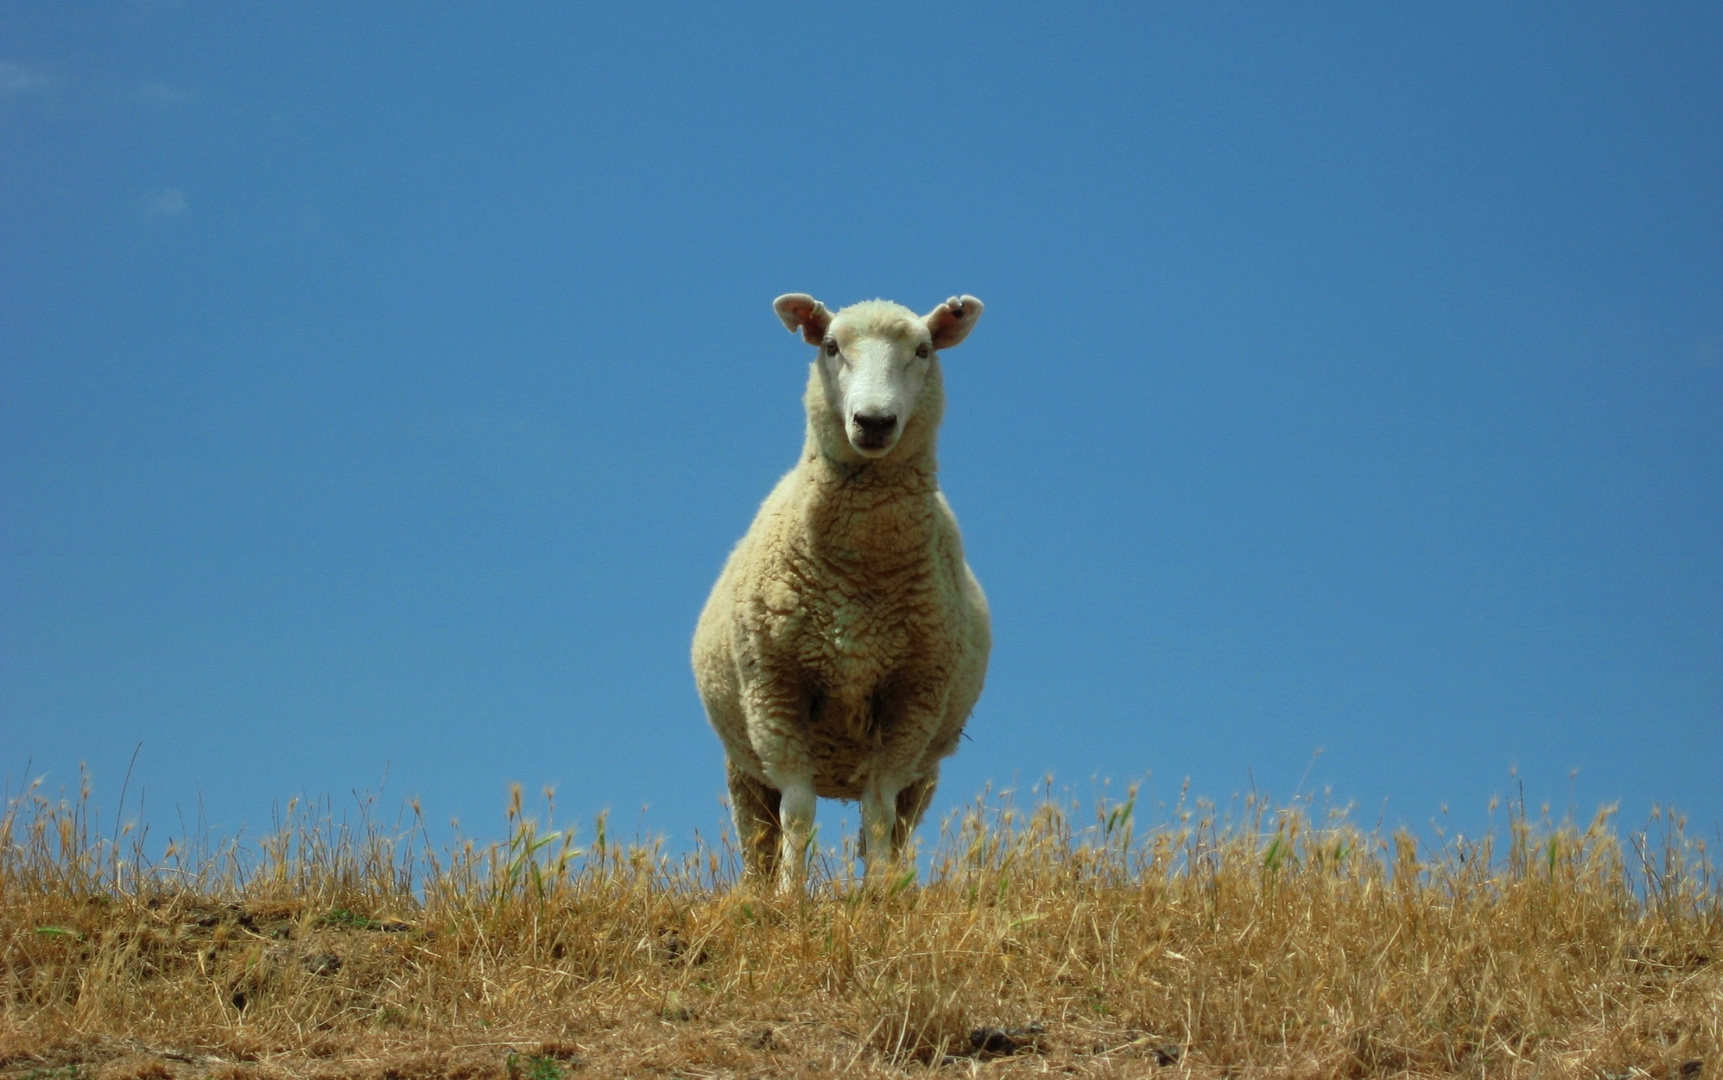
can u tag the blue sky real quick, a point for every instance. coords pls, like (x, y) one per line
(380, 392)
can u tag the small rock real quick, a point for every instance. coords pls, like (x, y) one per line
(992, 1040)
(764, 1039)
(1003, 1041)
(323, 964)
(1167, 1053)
(676, 950)
(393, 925)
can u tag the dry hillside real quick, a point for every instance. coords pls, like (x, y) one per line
(1274, 943)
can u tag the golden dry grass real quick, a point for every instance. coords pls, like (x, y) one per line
(1279, 944)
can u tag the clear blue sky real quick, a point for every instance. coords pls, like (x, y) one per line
(383, 389)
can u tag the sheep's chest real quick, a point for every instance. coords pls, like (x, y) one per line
(856, 652)
(845, 634)
(851, 644)
(854, 649)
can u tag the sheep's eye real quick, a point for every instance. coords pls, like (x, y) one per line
(922, 350)
(831, 346)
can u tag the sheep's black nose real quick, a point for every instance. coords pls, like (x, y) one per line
(876, 426)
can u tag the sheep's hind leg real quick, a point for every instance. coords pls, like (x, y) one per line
(912, 803)
(756, 807)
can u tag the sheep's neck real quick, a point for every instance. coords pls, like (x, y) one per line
(868, 510)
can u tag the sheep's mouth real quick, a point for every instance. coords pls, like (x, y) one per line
(872, 444)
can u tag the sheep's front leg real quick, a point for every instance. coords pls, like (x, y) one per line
(879, 824)
(777, 709)
(901, 784)
(796, 811)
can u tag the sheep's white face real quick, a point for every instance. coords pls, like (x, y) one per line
(875, 357)
(875, 380)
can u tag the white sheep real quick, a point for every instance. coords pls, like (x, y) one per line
(845, 642)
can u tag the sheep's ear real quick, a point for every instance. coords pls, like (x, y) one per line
(951, 322)
(802, 312)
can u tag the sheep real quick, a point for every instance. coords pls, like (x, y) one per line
(845, 642)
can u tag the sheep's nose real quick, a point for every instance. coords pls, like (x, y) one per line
(877, 427)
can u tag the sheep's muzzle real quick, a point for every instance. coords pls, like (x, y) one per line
(873, 432)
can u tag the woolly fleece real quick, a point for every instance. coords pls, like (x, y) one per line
(846, 640)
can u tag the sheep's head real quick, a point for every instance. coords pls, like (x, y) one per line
(875, 358)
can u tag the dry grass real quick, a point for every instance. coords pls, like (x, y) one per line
(1282, 943)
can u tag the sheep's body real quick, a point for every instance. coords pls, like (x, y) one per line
(845, 642)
